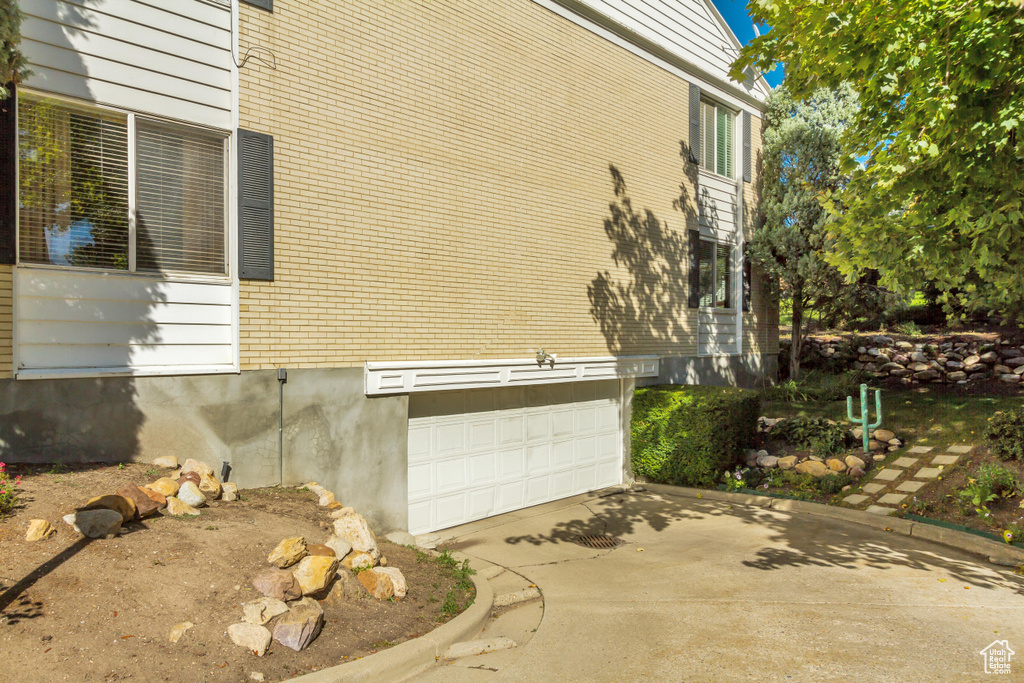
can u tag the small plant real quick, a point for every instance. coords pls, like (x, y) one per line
(908, 328)
(1005, 434)
(977, 495)
(832, 484)
(733, 480)
(998, 479)
(916, 506)
(8, 490)
(1014, 532)
(816, 432)
(152, 472)
(57, 468)
(120, 465)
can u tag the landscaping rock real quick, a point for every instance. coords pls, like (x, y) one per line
(321, 549)
(168, 462)
(279, 584)
(836, 465)
(1015, 362)
(39, 530)
(98, 523)
(210, 486)
(288, 552)
(155, 496)
(357, 560)
(990, 358)
(813, 468)
(344, 588)
(315, 572)
(190, 494)
(326, 498)
(853, 461)
(398, 582)
(263, 610)
(354, 529)
(300, 625)
(767, 461)
(1011, 379)
(878, 457)
(144, 505)
(1001, 370)
(787, 463)
(250, 636)
(340, 546)
(875, 445)
(883, 435)
(379, 586)
(124, 506)
(229, 492)
(164, 486)
(189, 476)
(179, 508)
(856, 472)
(398, 538)
(927, 375)
(343, 512)
(197, 466)
(178, 630)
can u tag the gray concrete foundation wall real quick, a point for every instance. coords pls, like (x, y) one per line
(750, 371)
(353, 445)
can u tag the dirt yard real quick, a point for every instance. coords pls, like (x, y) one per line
(101, 610)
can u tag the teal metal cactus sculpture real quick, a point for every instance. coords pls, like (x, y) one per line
(863, 421)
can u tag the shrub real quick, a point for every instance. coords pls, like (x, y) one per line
(1005, 434)
(8, 490)
(689, 435)
(831, 484)
(998, 479)
(823, 436)
(815, 385)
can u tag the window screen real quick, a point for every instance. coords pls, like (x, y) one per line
(723, 276)
(180, 200)
(73, 185)
(715, 275)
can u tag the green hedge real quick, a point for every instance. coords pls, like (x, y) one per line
(689, 435)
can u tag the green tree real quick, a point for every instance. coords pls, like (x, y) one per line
(936, 150)
(12, 62)
(802, 160)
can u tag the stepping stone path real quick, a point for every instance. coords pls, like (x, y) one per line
(906, 475)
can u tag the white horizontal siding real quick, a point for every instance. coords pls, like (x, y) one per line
(166, 57)
(89, 321)
(716, 332)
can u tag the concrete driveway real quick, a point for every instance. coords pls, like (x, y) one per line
(707, 591)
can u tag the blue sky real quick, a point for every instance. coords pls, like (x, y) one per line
(735, 13)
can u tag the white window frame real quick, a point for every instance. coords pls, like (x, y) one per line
(714, 275)
(182, 276)
(713, 166)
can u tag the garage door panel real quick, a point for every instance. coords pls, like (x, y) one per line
(508, 449)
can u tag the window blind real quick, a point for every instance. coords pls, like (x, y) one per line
(73, 185)
(180, 199)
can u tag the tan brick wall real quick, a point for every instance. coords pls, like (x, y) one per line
(6, 359)
(442, 185)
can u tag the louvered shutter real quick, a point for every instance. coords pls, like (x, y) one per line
(694, 299)
(8, 189)
(262, 4)
(746, 147)
(694, 123)
(255, 206)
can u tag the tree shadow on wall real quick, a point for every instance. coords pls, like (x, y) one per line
(645, 311)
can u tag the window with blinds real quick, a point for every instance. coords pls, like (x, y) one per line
(715, 278)
(74, 178)
(718, 124)
(73, 185)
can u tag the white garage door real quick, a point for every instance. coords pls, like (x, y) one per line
(482, 452)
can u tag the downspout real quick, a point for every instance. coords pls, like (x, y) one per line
(282, 378)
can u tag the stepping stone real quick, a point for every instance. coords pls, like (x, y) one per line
(889, 475)
(872, 488)
(880, 510)
(910, 486)
(928, 473)
(854, 499)
(892, 498)
(945, 459)
(922, 449)
(960, 449)
(906, 462)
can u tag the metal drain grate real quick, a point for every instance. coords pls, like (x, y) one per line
(598, 541)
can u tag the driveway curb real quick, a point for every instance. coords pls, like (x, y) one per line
(413, 656)
(995, 552)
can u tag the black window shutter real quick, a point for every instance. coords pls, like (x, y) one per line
(255, 206)
(694, 301)
(262, 4)
(746, 147)
(8, 189)
(746, 280)
(694, 123)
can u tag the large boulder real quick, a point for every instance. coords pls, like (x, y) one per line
(178, 508)
(813, 468)
(190, 494)
(38, 530)
(119, 503)
(354, 529)
(298, 627)
(836, 465)
(165, 486)
(852, 461)
(357, 560)
(279, 584)
(378, 585)
(189, 476)
(210, 486)
(883, 435)
(255, 638)
(228, 492)
(315, 572)
(397, 579)
(288, 552)
(787, 463)
(168, 462)
(340, 546)
(97, 523)
(263, 610)
(144, 505)
(197, 466)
